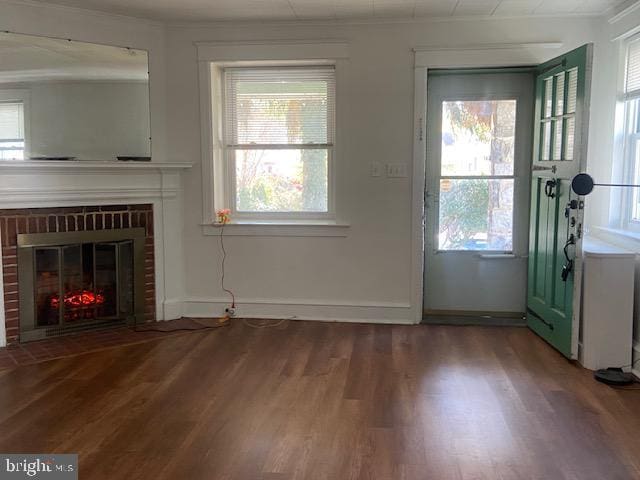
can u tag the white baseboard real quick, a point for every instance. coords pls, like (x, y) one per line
(358, 312)
(173, 308)
(636, 358)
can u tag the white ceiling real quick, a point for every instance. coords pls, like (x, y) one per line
(225, 10)
(26, 58)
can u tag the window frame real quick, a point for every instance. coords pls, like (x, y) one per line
(229, 184)
(628, 114)
(211, 56)
(20, 96)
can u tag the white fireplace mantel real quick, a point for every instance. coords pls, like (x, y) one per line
(60, 183)
(42, 184)
(87, 165)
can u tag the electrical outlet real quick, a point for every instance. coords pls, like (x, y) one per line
(376, 169)
(230, 311)
(396, 170)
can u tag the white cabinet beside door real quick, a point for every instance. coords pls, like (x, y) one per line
(607, 305)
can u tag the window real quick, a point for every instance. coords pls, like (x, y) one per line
(631, 103)
(278, 140)
(12, 142)
(560, 100)
(477, 175)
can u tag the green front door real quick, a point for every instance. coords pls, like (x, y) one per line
(561, 122)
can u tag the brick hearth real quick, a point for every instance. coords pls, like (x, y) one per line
(70, 219)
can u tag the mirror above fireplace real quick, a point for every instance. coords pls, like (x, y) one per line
(63, 99)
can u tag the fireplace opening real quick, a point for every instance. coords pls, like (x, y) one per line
(89, 281)
(77, 281)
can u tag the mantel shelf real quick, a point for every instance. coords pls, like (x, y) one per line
(88, 166)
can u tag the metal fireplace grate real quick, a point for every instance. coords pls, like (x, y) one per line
(77, 281)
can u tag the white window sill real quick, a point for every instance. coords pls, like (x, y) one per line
(622, 238)
(278, 229)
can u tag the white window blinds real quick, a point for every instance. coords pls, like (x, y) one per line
(11, 121)
(632, 79)
(279, 106)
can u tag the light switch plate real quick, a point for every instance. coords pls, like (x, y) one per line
(396, 170)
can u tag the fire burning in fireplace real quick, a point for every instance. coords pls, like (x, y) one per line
(83, 298)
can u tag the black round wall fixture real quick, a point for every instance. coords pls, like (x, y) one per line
(582, 184)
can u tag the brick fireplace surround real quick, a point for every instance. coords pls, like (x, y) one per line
(70, 219)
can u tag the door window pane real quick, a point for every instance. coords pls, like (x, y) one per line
(560, 94)
(572, 91)
(476, 214)
(548, 97)
(546, 140)
(569, 136)
(478, 137)
(557, 140)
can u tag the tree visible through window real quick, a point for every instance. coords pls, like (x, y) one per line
(279, 138)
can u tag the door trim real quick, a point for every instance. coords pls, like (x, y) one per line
(469, 56)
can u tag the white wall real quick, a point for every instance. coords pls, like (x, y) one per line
(87, 120)
(371, 266)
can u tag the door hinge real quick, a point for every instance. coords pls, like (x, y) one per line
(538, 168)
(420, 131)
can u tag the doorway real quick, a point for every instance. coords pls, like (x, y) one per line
(478, 142)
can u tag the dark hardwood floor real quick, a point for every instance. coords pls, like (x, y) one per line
(325, 401)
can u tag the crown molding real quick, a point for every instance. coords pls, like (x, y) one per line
(491, 46)
(629, 9)
(357, 21)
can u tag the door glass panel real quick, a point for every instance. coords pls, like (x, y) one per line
(478, 140)
(557, 139)
(548, 97)
(560, 94)
(572, 90)
(476, 214)
(546, 140)
(569, 137)
(478, 137)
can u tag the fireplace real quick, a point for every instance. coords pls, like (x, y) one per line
(72, 281)
(112, 228)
